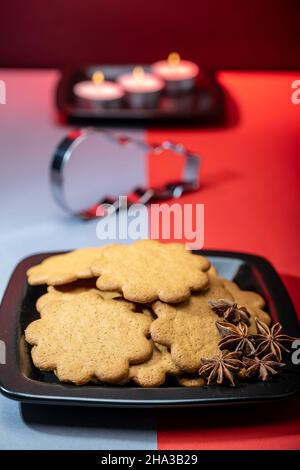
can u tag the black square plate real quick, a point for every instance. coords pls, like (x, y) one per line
(20, 380)
(204, 104)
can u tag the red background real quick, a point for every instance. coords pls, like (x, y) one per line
(222, 34)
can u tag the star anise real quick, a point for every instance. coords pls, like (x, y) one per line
(230, 311)
(271, 340)
(235, 338)
(263, 368)
(221, 369)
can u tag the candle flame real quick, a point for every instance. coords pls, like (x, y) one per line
(98, 78)
(138, 72)
(173, 59)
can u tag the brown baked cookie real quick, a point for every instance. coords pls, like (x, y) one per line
(153, 372)
(253, 302)
(190, 380)
(188, 328)
(68, 291)
(148, 270)
(212, 271)
(62, 269)
(89, 337)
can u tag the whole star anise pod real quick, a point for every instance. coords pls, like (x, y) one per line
(230, 311)
(271, 340)
(263, 368)
(235, 338)
(221, 369)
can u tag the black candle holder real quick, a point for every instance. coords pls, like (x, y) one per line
(202, 105)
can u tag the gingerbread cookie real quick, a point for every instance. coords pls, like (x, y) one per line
(190, 380)
(148, 270)
(189, 328)
(212, 271)
(253, 302)
(153, 372)
(68, 291)
(89, 337)
(62, 269)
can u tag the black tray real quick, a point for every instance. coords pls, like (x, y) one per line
(204, 104)
(20, 380)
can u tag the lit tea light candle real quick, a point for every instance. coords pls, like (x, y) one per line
(179, 75)
(142, 88)
(99, 91)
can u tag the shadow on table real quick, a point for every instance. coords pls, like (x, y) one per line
(57, 416)
(235, 417)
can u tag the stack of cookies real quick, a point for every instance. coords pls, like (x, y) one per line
(131, 313)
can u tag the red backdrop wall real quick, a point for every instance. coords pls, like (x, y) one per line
(226, 34)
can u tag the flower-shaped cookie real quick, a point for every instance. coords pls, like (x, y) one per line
(62, 269)
(153, 372)
(189, 328)
(68, 291)
(253, 302)
(148, 270)
(89, 338)
(190, 380)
